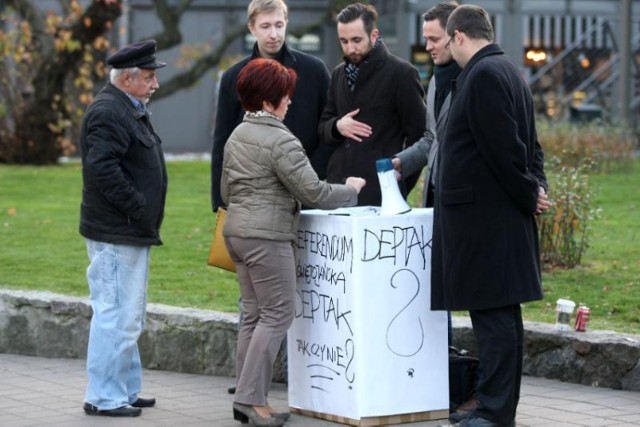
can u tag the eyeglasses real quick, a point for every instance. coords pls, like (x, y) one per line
(446, 46)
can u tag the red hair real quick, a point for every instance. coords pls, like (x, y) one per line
(264, 80)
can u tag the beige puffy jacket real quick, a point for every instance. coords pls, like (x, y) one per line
(266, 177)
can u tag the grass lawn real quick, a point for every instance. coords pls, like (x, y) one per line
(609, 279)
(42, 250)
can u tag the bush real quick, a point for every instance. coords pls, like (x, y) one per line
(573, 152)
(608, 148)
(564, 228)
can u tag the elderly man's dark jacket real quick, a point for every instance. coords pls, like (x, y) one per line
(485, 241)
(390, 97)
(307, 103)
(123, 171)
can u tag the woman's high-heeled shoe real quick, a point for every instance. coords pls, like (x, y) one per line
(239, 416)
(245, 413)
(284, 416)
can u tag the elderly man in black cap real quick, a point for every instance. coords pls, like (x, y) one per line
(123, 196)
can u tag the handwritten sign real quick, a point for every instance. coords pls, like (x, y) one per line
(364, 342)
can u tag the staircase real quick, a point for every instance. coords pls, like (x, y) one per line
(584, 75)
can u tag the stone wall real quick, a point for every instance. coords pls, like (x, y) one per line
(596, 358)
(203, 342)
(175, 339)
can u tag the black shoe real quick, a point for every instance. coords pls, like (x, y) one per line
(124, 411)
(231, 390)
(475, 421)
(456, 417)
(144, 403)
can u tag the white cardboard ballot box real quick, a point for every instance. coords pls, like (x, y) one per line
(364, 347)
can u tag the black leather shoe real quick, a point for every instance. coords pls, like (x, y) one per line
(231, 390)
(144, 403)
(124, 411)
(475, 421)
(456, 417)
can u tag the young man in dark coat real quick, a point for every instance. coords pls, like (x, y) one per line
(267, 21)
(375, 106)
(423, 152)
(489, 187)
(123, 196)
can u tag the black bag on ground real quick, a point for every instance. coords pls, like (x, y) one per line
(463, 377)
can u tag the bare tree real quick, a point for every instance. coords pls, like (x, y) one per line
(39, 127)
(171, 36)
(64, 56)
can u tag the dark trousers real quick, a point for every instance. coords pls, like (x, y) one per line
(499, 334)
(429, 197)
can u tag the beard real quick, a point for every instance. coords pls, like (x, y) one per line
(357, 58)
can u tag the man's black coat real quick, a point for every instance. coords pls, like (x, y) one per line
(485, 241)
(390, 97)
(123, 172)
(308, 101)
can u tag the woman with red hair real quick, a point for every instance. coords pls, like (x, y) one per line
(266, 178)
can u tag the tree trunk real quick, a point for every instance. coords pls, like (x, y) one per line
(38, 130)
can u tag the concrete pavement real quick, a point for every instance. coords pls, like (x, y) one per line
(49, 392)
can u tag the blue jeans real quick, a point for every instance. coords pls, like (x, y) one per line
(117, 277)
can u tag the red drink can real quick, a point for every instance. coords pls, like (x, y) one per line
(582, 318)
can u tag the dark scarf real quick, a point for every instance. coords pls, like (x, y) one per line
(351, 69)
(443, 75)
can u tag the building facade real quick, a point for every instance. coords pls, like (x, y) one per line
(570, 51)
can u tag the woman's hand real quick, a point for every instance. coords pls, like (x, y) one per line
(356, 183)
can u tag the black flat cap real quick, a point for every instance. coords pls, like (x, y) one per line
(140, 54)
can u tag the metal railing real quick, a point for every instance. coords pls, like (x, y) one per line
(582, 74)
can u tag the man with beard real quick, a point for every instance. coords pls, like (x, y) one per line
(375, 104)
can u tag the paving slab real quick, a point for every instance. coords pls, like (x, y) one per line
(36, 391)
